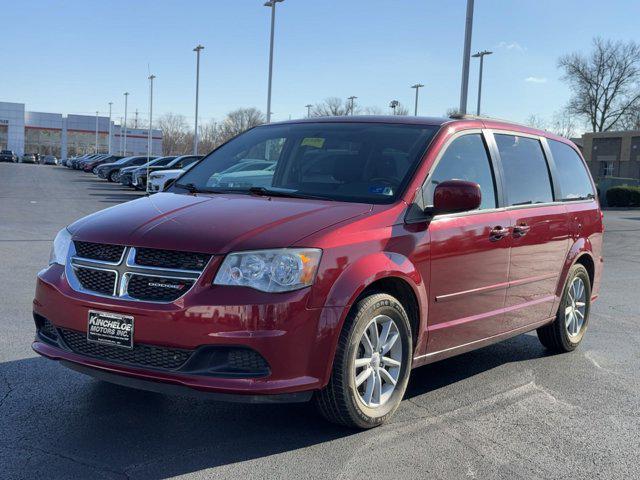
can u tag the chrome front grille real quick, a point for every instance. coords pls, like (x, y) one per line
(140, 274)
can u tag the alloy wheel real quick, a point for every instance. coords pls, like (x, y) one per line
(575, 310)
(378, 361)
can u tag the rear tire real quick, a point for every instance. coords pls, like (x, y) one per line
(346, 399)
(568, 329)
(112, 176)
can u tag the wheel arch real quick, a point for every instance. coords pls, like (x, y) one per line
(383, 272)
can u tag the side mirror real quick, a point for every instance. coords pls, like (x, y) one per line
(455, 196)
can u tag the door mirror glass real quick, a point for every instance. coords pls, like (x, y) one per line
(454, 196)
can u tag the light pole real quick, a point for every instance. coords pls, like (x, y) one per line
(480, 55)
(110, 105)
(393, 105)
(417, 86)
(124, 144)
(195, 133)
(97, 131)
(272, 5)
(149, 137)
(308, 107)
(464, 87)
(351, 99)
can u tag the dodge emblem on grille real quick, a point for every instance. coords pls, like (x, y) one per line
(178, 286)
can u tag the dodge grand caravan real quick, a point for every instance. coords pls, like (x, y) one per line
(377, 245)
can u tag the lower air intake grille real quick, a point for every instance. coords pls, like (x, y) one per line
(99, 281)
(158, 289)
(141, 355)
(247, 361)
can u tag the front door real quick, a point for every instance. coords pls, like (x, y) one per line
(469, 252)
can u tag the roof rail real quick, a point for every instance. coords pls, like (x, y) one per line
(460, 116)
(466, 116)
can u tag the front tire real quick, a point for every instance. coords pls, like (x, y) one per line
(568, 329)
(372, 364)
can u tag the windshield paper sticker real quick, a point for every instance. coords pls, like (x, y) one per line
(312, 142)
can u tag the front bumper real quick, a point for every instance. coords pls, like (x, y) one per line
(297, 342)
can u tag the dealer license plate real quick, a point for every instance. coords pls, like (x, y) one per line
(110, 329)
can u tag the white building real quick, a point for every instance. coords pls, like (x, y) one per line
(62, 136)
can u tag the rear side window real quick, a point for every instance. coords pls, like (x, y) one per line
(465, 159)
(526, 175)
(575, 183)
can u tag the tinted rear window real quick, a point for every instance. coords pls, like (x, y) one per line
(525, 169)
(575, 183)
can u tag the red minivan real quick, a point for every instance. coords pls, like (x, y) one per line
(326, 258)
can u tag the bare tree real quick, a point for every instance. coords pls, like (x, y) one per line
(605, 83)
(399, 108)
(238, 121)
(631, 120)
(208, 137)
(373, 110)
(452, 112)
(175, 134)
(332, 107)
(536, 121)
(563, 123)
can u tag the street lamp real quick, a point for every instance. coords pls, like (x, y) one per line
(464, 84)
(97, 131)
(351, 99)
(149, 137)
(110, 105)
(393, 105)
(124, 147)
(272, 5)
(308, 107)
(480, 55)
(417, 86)
(195, 134)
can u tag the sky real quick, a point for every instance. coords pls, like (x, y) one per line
(76, 56)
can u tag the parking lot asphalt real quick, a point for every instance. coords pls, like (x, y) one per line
(510, 410)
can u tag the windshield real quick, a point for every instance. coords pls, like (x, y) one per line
(357, 162)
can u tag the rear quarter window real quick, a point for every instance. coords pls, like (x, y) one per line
(575, 183)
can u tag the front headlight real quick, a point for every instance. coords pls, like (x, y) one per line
(280, 270)
(60, 247)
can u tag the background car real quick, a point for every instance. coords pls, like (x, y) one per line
(160, 181)
(28, 158)
(181, 162)
(8, 156)
(49, 160)
(110, 171)
(90, 165)
(126, 174)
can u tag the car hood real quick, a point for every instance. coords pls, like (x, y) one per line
(212, 223)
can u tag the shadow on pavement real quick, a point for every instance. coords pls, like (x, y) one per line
(131, 432)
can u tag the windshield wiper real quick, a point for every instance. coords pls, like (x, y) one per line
(193, 189)
(267, 192)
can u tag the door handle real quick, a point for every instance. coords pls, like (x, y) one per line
(498, 232)
(521, 230)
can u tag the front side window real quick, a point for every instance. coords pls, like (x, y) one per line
(465, 159)
(527, 179)
(573, 177)
(354, 162)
